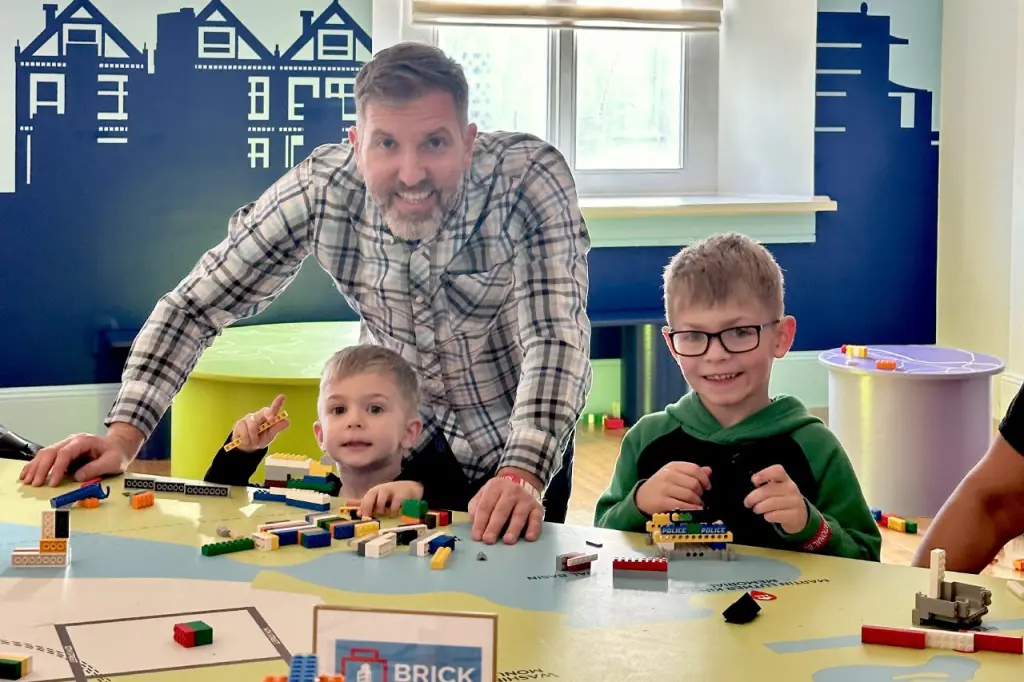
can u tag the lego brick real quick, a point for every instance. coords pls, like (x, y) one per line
(227, 547)
(906, 638)
(289, 536)
(310, 483)
(366, 527)
(49, 524)
(303, 669)
(343, 530)
(945, 639)
(93, 490)
(702, 538)
(1016, 588)
(876, 514)
(88, 503)
(653, 564)
(14, 667)
(312, 538)
(443, 540)
(432, 520)
(53, 546)
(279, 417)
(440, 558)
(144, 499)
(911, 527)
(139, 482)
(743, 610)
(415, 509)
(645, 575)
(936, 572)
(380, 546)
(32, 558)
(1006, 644)
(265, 542)
(421, 546)
(897, 524)
(277, 525)
(1018, 564)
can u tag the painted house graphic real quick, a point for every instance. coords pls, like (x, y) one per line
(91, 104)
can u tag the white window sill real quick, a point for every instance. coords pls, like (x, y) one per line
(676, 221)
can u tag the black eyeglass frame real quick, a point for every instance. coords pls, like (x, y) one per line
(709, 336)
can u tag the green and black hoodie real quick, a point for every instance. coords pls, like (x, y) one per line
(839, 521)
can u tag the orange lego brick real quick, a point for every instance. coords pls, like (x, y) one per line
(53, 546)
(275, 678)
(885, 363)
(1018, 564)
(143, 500)
(88, 503)
(331, 678)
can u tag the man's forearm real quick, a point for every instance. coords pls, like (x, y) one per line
(965, 532)
(131, 436)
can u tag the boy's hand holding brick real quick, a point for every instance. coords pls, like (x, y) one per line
(248, 427)
(677, 485)
(778, 499)
(387, 498)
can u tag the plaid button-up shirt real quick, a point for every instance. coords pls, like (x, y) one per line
(491, 311)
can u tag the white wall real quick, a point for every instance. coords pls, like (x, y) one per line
(981, 195)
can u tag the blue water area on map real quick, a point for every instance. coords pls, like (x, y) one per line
(944, 668)
(522, 575)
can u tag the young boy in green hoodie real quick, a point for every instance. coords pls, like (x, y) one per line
(774, 474)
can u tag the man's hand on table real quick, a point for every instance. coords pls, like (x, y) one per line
(504, 500)
(107, 455)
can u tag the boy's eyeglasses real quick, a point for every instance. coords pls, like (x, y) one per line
(690, 343)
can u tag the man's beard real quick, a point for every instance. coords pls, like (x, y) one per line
(419, 226)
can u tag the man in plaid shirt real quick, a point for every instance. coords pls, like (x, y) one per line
(467, 254)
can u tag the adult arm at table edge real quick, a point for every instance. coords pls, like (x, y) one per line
(839, 521)
(552, 283)
(984, 513)
(266, 244)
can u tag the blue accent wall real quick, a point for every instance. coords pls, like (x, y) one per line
(96, 228)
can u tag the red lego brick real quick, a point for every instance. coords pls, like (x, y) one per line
(884, 521)
(1006, 644)
(90, 482)
(908, 639)
(184, 635)
(445, 519)
(658, 564)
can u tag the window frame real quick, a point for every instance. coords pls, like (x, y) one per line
(699, 116)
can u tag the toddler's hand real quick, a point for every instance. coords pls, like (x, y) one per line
(387, 498)
(247, 428)
(778, 499)
(677, 485)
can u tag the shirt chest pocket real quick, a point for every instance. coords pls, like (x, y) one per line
(474, 300)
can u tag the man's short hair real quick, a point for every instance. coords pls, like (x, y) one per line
(408, 71)
(723, 268)
(366, 358)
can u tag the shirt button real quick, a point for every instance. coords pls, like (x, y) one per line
(419, 299)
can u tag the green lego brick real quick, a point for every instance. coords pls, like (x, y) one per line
(204, 633)
(416, 509)
(236, 545)
(10, 669)
(309, 485)
(912, 527)
(693, 528)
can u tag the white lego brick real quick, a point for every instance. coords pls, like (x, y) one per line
(1016, 588)
(277, 525)
(580, 560)
(265, 542)
(419, 546)
(945, 639)
(312, 496)
(49, 525)
(381, 546)
(936, 573)
(32, 558)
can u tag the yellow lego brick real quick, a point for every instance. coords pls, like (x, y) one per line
(658, 538)
(318, 469)
(265, 542)
(660, 519)
(366, 528)
(22, 663)
(285, 456)
(440, 558)
(53, 546)
(896, 523)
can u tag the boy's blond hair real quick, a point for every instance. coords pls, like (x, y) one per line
(369, 358)
(722, 268)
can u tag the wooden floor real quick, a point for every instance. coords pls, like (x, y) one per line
(596, 451)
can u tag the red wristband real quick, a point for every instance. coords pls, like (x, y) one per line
(820, 538)
(523, 483)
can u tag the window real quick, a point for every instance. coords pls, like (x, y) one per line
(119, 91)
(259, 98)
(218, 43)
(259, 152)
(45, 90)
(79, 35)
(335, 44)
(634, 112)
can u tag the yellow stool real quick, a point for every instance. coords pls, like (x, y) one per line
(243, 371)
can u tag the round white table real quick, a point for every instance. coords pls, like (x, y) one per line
(913, 432)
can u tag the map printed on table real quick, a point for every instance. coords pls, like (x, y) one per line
(135, 573)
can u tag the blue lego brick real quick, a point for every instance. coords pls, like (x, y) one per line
(344, 531)
(441, 541)
(303, 669)
(265, 495)
(286, 536)
(719, 545)
(315, 538)
(83, 493)
(315, 479)
(302, 504)
(876, 514)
